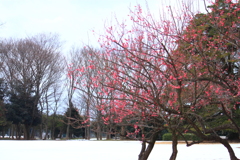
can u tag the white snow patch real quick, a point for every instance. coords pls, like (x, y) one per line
(107, 150)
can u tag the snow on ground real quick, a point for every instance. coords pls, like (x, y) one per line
(106, 150)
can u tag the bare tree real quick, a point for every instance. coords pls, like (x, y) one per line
(34, 64)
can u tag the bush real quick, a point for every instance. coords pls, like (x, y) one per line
(167, 137)
(188, 136)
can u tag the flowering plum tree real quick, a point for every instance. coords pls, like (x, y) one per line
(170, 73)
(214, 48)
(83, 71)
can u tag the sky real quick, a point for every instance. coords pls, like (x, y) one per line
(73, 20)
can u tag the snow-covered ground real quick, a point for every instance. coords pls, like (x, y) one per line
(106, 150)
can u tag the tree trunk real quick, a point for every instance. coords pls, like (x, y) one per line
(218, 139)
(99, 131)
(88, 132)
(12, 131)
(46, 135)
(53, 127)
(2, 135)
(53, 132)
(68, 124)
(18, 134)
(41, 125)
(60, 134)
(123, 133)
(20, 129)
(229, 148)
(33, 133)
(174, 145)
(88, 122)
(26, 132)
(3, 132)
(145, 151)
(100, 135)
(109, 132)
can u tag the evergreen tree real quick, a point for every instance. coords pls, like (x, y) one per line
(77, 127)
(21, 109)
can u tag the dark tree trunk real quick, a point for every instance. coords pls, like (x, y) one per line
(33, 133)
(47, 135)
(216, 138)
(68, 134)
(3, 132)
(99, 131)
(108, 135)
(11, 132)
(123, 133)
(53, 126)
(41, 125)
(26, 132)
(229, 148)
(87, 134)
(18, 131)
(145, 151)
(60, 134)
(174, 145)
(53, 132)
(109, 132)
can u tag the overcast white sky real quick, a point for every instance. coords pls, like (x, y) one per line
(73, 20)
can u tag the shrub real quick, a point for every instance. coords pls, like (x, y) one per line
(167, 137)
(188, 136)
